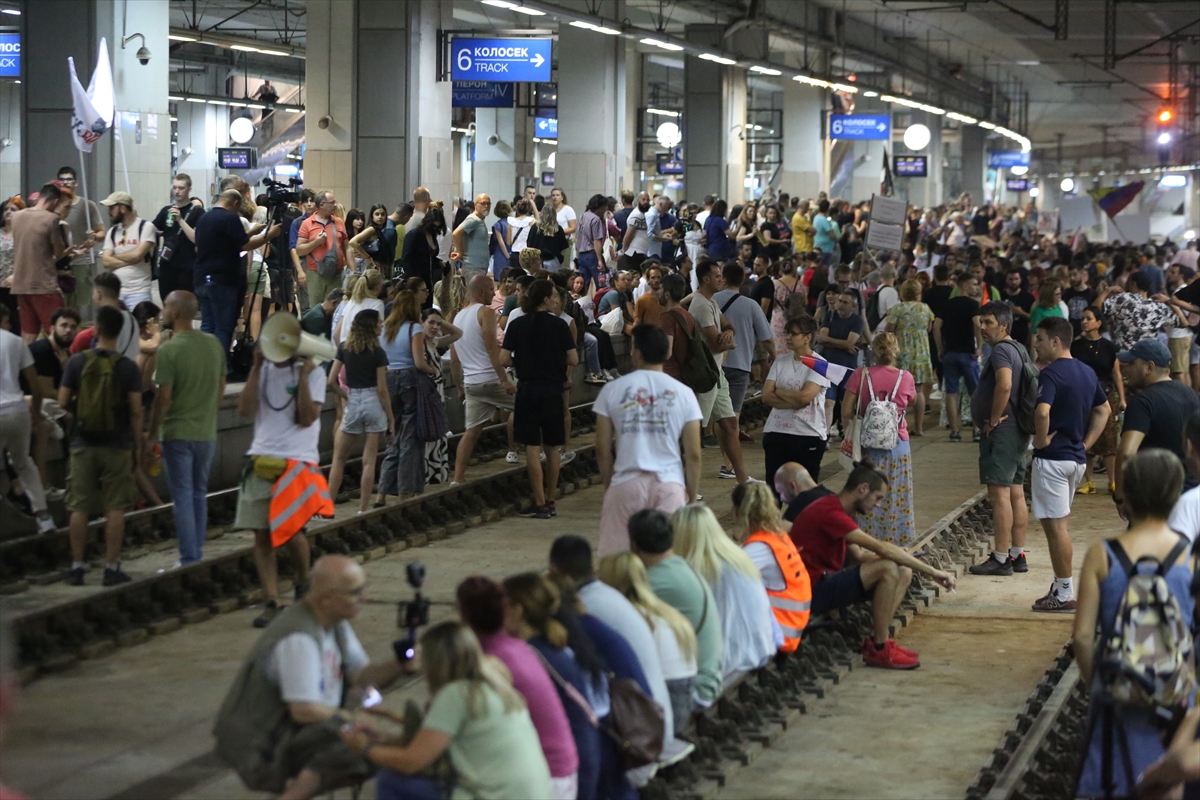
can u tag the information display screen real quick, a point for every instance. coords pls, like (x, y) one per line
(912, 166)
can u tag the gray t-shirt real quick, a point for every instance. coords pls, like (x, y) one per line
(475, 232)
(707, 315)
(1004, 354)
(750, 326)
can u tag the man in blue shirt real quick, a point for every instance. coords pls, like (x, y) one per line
(308, 202)
(1071, 413)
(826, 233)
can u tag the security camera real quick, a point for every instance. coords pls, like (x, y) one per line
(143, 55)
(493, 140)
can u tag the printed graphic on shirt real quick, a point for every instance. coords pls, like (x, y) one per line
(645, 412)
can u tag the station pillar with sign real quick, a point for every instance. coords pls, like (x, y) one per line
(804, 173)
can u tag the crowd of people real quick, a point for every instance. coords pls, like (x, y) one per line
(1083, 354)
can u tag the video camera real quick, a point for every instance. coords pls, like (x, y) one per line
(280, 195)
(411, 614)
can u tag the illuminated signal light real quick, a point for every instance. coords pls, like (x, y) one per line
(1165, 116)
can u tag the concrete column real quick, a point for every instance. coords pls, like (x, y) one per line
(429, 145)
(927, 191)
(714, 119)
(500, 167)
(803, 143)
(974, 161)
(591, 115)
(330, 48)
(379, 130)
(10, 127)
(199, 138)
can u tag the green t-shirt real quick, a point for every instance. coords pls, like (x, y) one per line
(316, 322)
(682, 588)
(192, 363)
(1039, 313)
(496, 754)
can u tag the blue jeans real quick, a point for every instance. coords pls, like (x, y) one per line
(188, 464)
(589, 267)
(218, 311)
(403, 467)
(591, 353)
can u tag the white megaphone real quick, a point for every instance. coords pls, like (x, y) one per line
(282, 338)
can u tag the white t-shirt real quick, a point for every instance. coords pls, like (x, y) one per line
(349, 311)
(306, 674)
(640, 243)
(520, 232)
(565, 215)
(648, 410)
(702, 218)
(275, 430)
(764, 558)
(14, 357)
(639, 290)
(135, 279)
(675, 665)
(1185, 517)
(888, 299)
(790, 374)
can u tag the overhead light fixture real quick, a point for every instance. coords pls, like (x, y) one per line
(176, 98)
(661, 44)
(1034, 191)
(729, 62)
(175, 37)
(174, 119)
(662, 112)
(255, 105)
(1173, 181)
(916, 137)
(195, 99)
(14, 12)
(765, 70)
(532, 12)
(499, 3)
(1189, 235)
(1018, 170)
(987, 126)
(588, 26)
(1067, 185)
(961, 117)
(1029, 63)
(811, 81)
(217, 103)
(241, 130)
(244, 48)
(293, 109)
(273, 52)
(669, 135)
(1164, 138)
(841, 87)
(869, 93)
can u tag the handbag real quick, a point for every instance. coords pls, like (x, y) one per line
(431, 411)
(328, 267)
(635, 723)
(850, 452)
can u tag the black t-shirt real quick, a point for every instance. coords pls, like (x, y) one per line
(45, 362)
(1020, 327)
(777, 230)
(958, 324)
(539, 344)
(220, 239)
(764, 289)
(1077, 301)
(129, 381)
(804, 500)
(361, 367)
(1100, 355)
(935, 297)
(1160, 411)
(183, 249)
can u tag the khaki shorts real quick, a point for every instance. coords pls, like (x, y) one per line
(100, 479)
(258, 281)
(716, 403)
(254, 501)
(1181, 349)
(483, 399)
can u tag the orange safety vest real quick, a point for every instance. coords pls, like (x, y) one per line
(791, 606)
(298, 495)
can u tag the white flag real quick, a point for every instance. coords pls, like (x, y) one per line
(93, 108)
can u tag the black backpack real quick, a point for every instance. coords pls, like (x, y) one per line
(873, 315)
(699, 372)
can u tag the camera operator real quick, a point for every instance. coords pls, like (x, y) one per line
(178, 222)
(279, 724)
(284, 208)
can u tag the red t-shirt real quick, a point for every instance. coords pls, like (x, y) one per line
(819, 533)
(82, 341)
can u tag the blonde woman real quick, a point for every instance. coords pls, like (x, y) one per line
(368, 406)
(673, 634)
(548, 237)
(475, 716)
(737, 585)
(892, 520)
(363, 295)
(767, 543)
(911, 321)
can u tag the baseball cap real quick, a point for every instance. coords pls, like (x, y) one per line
(118, 198)
(1147, 350)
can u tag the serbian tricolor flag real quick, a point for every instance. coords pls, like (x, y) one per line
(834, 372)
(1113, 199)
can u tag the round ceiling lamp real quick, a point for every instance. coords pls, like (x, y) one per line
(552, 159)
(916, 137)
(1018, 170)
(1034, 191)
(1067, 185)
(241, 130)
(669, 135)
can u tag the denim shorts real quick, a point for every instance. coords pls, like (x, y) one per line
(960, 366)
(364, 413)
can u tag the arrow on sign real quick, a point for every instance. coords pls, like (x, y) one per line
(542, 125)
(881, 126)
(537, 60)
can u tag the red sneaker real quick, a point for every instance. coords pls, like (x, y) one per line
(889, 657)
(870, 642)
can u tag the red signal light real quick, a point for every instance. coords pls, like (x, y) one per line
(1165, 116)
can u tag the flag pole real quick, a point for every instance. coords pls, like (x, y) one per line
(87, 206)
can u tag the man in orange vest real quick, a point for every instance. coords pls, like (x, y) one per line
(826, 535)
(282, 485)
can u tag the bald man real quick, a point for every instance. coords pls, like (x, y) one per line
(190, 375)
(471, 239)
(278, 726)
(796, 488)
(483, 383)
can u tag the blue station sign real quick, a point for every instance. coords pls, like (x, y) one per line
(860, 126)
(481, 94)
(521, 60)
(10, 55)
(1008, 158)
(545, 127)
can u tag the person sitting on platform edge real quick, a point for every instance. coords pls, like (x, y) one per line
(826, 533)
(279, 725)
(797, 489)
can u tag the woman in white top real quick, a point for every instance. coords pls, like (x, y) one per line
(673, 634)
(363, 295)
(796, 430)
(737, 585)
(518, 225)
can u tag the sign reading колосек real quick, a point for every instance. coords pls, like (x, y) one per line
(517, 60)
(10, 55)
(860, 126)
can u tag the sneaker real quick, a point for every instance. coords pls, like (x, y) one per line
(46, 525)
(566, 457)
(1019, 564)
(270, 612)
(992, 567)
(512, 457)
(75, 576)
(537, 512)
(115, 577)
(612, 374)
(301, 590)
(904, 650)
(727, 473)
(890, 657)
(553, 508)
(1051, 603)
(532, 511)
(709, 441)
(744, 437)
(595, 380)
(955, 436)
(1087, 487)
(750, 480)
(542, 456)
(1100, 469)
(55, 495)
(976, 436)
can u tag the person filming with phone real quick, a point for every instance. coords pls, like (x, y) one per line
(279, 724)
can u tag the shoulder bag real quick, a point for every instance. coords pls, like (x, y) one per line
(431, 409)
(328, 267)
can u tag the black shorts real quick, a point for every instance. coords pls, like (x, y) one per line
(839, 589)
(283, 291)
(538, 413)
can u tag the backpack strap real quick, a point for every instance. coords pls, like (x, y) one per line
(1180, 547)
(896, 388)
(729, 302)
(1120, 556)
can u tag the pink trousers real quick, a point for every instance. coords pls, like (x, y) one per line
(623, 500)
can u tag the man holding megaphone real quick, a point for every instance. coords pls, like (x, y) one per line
(282, 484)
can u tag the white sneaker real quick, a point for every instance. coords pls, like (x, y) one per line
(750, 480)
(46, 525)
(566, 456)
(613, 374)
(512, 458)
(54, 494)
(542, 455)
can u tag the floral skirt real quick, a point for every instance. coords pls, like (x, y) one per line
(892, 520)
(1106, 445)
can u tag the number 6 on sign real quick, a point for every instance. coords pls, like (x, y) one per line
(464, 59)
